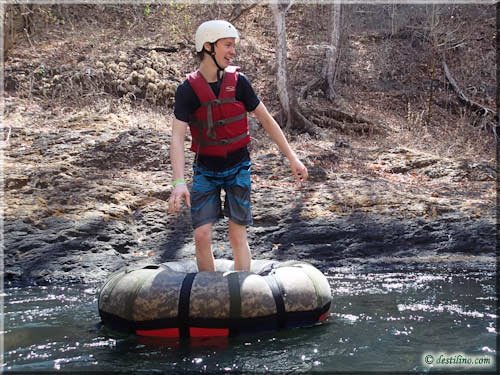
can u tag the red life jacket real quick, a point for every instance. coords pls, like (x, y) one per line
(220, 124)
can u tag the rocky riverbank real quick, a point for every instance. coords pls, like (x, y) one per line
(402, 173)
(86, 193)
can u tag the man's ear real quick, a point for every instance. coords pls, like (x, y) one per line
(207, 46)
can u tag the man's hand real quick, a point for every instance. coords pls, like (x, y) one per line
(273, 129)
(179, 193)
(299, 170)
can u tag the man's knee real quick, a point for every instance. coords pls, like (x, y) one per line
(237, 235)
(203, 234)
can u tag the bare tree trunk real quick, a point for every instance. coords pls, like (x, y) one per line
(294, 119)
(329, 73)
(434, 43)
(332, 53)
(279, 13)
(16, 19)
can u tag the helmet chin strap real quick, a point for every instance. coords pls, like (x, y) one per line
(220, 71)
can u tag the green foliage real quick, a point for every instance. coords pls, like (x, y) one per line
(40, 71)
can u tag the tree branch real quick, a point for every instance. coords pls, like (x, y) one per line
(462, 97)
(241, 11)
(158, 49)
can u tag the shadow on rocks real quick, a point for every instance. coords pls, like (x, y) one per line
(376, 239)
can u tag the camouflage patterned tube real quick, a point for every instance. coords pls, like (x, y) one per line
(175, 300)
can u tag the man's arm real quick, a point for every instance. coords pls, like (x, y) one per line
(276, 134)
(177, 158)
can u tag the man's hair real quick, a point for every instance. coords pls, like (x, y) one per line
(201, 54)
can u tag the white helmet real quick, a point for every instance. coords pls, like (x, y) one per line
(212, 31)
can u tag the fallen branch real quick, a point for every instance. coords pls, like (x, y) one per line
(462, 97)
(343, 120)
(300, 121)
(158, 49)
(483, 111)
(311, 86)
(4, 142)
(270, 50)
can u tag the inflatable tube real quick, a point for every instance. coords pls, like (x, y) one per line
(175, 300)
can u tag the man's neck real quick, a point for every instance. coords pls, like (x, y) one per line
(208, 70)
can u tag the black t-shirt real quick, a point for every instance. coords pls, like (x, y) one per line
(186, 103)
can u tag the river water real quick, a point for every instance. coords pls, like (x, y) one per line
(410, 321)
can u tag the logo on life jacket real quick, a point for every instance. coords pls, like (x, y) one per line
(230, 89)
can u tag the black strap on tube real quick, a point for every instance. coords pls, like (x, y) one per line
(277, 292)
(183, 312)
(234, 301)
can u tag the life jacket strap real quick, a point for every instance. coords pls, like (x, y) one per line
(225, 141)
(204, 124)
(218, 101)
(210, 122)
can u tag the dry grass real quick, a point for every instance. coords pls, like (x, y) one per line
(458, 139)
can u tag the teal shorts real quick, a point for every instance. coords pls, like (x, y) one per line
(206, 202)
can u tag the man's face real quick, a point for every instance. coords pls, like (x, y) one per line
(225, 51)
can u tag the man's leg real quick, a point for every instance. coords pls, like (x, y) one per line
(203, 245)
(239, 244)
